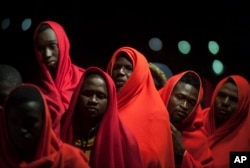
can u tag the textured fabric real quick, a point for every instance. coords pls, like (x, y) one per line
(51, 153)
(58, 91)
(143, 112)
(197, 152)
(114, 146)
(233, 135)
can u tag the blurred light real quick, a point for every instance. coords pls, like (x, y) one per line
(155, 44)
(5, 23)
(26, 23)
(184, 47)
(167, 71)
(213, 47)
(218, 67)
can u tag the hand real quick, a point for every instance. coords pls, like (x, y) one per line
(178, 144)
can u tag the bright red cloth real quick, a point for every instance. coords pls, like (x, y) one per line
(233, 135)
(143, 112)
(51, 153)
(197, 152)
(114, 146)
(58, 92)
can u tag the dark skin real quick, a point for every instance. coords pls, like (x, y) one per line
(24, 123)
(92, 103)
(47, 45)
(225, 103)
(181, 103)
(122, 71)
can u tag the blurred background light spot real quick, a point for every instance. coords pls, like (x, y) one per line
(184, 47)
(155, 44)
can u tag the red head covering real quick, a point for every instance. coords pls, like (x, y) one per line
(233, 135)
(115, 145)
(50, 152)
(143, 112)
(58, 91)
(194, 140)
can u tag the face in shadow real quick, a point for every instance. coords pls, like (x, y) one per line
(122, 70)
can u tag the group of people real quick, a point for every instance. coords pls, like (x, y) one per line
(118, 117)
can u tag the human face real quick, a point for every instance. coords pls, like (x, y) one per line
(93, 98)
(24, 123)
(47, 45)
(122, 71)
(225, 102)
(182, 101)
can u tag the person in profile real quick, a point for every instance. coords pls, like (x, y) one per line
(10, 77)
(57, 76)
(27, 138)
(227, 119)
(93, 125)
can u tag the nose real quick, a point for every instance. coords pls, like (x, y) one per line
(184, 104)
(226, 100)
(47, 52)
(122, 70)
(94, 99)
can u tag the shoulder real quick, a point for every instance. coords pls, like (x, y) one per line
(73, 156)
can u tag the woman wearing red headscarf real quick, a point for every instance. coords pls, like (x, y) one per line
(141, 108)
(27, 138)
(227, 120)
(58, 76)
(182, 95)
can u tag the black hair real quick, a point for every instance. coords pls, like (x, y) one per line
(10, 74)
(230, 80)
(191, 79)
(24, 94)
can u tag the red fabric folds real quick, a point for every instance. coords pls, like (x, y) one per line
(233, 135)
(197, 152)
(114, 146)
(143, 112)
(58, 91)
(50, 153)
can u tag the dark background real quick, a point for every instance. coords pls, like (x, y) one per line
(94, 39)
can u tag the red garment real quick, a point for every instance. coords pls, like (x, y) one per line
(114, 146)
(58, 92)
(50, 153)
(143, 112)
(197, 152)
(233, 135)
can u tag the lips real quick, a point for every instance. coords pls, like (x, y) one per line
(120, 82)
(50, 63)
(222, 111)
(182, 114)
(91, 109)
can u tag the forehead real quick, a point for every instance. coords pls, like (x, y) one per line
(186, 87)
(229, 87)
(123, 58)
(29, 108)
(94, 80)
(46, 35)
